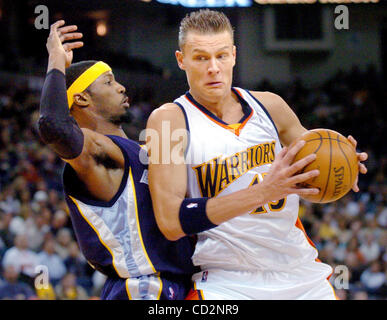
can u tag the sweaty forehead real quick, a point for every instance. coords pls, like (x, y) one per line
(207, 42)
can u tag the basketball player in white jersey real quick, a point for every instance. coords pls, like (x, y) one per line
(237, 187)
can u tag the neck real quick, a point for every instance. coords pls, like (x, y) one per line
(219, 105)
(107, 128)
(100, 125)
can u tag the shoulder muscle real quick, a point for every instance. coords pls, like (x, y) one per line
(286, 121)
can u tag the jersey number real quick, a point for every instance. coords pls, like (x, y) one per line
(273, 206)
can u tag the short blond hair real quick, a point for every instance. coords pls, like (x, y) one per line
(204, 21)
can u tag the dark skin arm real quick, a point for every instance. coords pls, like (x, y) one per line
(101, 182)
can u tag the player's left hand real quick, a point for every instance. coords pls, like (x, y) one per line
(361, 156)
(57, 46)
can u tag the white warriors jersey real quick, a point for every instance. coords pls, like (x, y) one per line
(221, 160)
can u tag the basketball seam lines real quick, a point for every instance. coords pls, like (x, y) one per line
(330, 163)
(321, 138)
(346, 159)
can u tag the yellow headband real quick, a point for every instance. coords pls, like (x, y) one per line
(86, 79)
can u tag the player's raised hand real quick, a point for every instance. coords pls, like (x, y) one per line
(60, 52)
(361, 156)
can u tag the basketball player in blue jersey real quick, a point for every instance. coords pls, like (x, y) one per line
(236, 186)
(105, 183)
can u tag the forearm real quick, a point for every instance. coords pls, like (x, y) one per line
(56, 61)
(56, 126)
(181, 216)
(221, 209)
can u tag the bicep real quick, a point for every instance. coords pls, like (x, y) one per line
(167, 169)
(102, 182)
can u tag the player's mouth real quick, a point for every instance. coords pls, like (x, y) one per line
(125, 102)
(214, 84)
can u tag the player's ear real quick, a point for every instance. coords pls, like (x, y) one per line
(82, 99)
(179, 59)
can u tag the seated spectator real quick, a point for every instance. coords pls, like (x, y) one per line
(370, 249)
(63, 239)
(46, 293)
(373, 278)
(77, 264)
(59, 221)
(54, 263)
(36, 229)
(12, 289)
(23, 259)
(68, 289)
(5, 232)
(360, 295)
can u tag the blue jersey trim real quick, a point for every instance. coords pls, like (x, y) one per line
(247, 110)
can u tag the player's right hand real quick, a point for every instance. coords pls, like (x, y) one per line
(284, 176)
(59, 34)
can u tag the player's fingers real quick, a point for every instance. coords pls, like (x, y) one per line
(293, 150)
(300, 164)
(67, 29)
(305, 191)
(57, 24)
(72, 45)
(70, 36)
(352, 141)
(282, 153)
(302, 177)
(355, 187)
(362, 156)
(362, 168)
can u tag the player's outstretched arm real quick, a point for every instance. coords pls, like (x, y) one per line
(58, 128)
(177, 215)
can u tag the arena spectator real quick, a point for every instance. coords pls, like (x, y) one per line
(13, 289)
(36, 229)
(53, 262)
(64, 238)
(22, 259)
(77, 264)
(370, 249)
(68, 289)
(373, 278)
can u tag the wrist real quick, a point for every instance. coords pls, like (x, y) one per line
(56, 60)
(262, 193)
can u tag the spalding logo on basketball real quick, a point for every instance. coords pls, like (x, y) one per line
(335, 158)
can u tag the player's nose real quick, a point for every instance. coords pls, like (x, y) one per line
(213, 66)
(121, 89)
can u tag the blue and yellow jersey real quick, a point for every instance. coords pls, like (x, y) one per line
(120, 238)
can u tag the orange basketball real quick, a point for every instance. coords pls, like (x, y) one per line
(337, 161)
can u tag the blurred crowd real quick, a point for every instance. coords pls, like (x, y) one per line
(39, 255)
